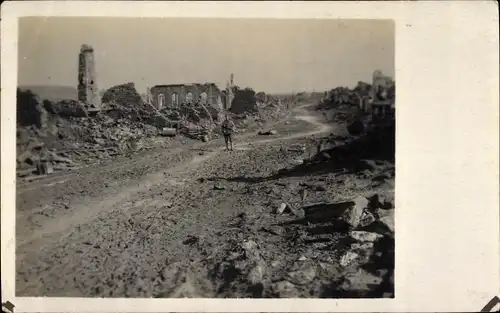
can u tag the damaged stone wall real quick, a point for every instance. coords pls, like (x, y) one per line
(172, 96)
(245, 100)
(382, 86)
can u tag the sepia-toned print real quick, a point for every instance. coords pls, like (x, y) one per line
(205, 158)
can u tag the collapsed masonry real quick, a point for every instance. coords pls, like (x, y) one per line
(382, 95)
(377, 99)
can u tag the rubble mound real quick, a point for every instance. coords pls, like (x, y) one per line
(356, 127)
(124, 102)
(340, 96)
(30, 110)
(331, 250)
(125, 94)
(65, 131)
(378, 143)
(65, 108)
(245, 101)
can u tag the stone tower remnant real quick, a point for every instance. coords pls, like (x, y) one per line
(230, 92)
(88, 92)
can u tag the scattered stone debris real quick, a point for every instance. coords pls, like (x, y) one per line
(348, 258)
(190, 240)
(281, 208)
(219, 187)
(360, 281)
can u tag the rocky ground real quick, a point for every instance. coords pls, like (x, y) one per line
(273, 218)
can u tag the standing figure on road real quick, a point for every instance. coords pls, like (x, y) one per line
(228, 128)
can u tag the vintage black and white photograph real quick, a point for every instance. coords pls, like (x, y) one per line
(205, 158)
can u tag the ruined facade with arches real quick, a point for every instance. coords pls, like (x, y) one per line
(174, 95)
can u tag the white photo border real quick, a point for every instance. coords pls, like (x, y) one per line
(447, 57)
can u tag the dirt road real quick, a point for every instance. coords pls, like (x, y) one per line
(149, 226)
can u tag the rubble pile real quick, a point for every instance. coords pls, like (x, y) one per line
(377, 142)
(323, 227)
(271, 110)
(346, 96)
(65, 129)
(194, 120)
(267, 112)
(125, 124)
(125, 94)
(66, 108)
(123, 101)
(82, 139)
(245, 101)
(342, 249)
(30, 110)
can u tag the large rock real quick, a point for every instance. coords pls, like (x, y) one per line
(303, 276)
(285, 289)
(365, 236)
(256, 275)
(380, 202)
(251, 250)
(353, 214)
(348, 258)
(367, 218)
(45, 168)
(281, 208)
(361, 282)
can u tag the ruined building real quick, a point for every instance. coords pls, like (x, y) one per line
(174, 95)
(229, 94)
(382, 95)
(88, 93)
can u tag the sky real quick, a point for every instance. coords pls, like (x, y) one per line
(270, 55)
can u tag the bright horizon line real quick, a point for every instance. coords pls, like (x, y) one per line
(218, 85)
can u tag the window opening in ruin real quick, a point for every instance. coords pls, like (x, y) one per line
(189, 97)
(203, 97)
(161, 101)
(175, 99)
